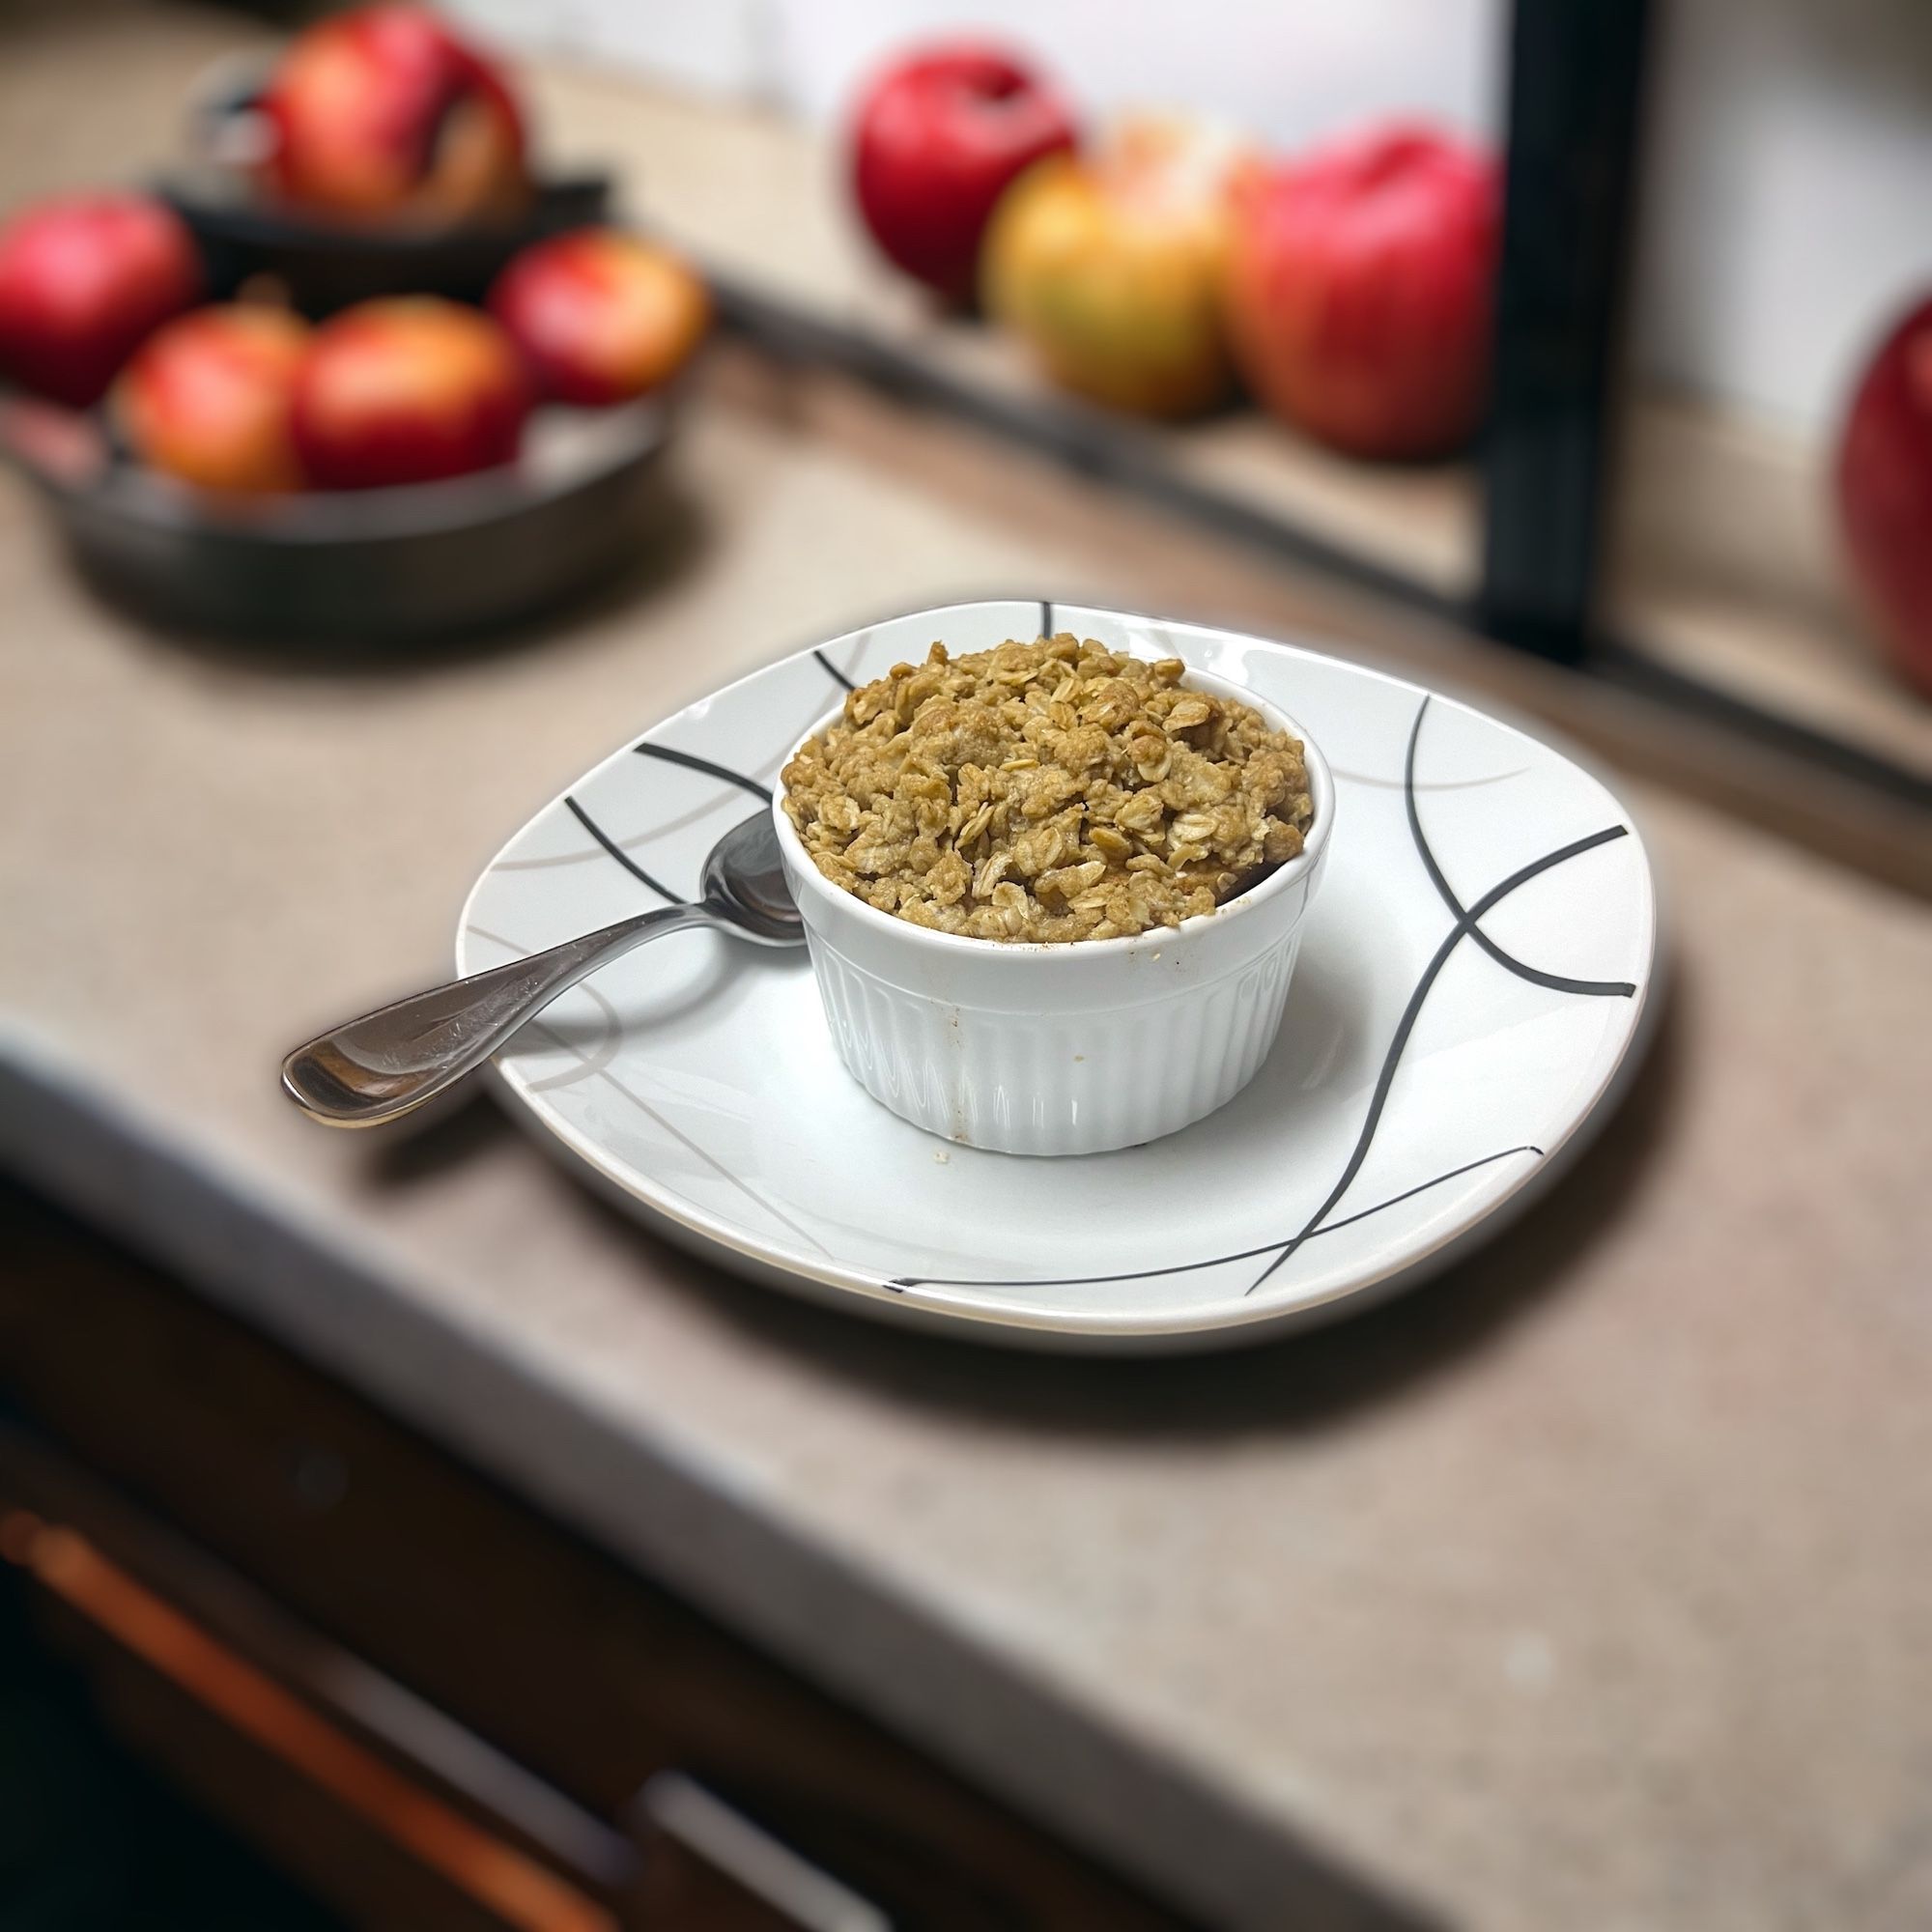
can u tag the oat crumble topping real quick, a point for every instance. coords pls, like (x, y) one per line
(1052, 791)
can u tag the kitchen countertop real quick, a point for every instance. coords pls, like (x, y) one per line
(1587, 1587)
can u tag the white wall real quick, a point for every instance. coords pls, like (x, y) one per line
(1288, 72)
(1288, 75)
(1788, 209)
(1789, 206)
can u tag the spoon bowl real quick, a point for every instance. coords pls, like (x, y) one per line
(746, 871)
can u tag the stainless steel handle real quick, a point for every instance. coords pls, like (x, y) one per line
(379, 1066)
(717, 1833)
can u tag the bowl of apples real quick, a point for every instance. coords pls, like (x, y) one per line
(410, 465)
(364, 374)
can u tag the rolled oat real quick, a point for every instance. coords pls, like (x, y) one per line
(1052, 791)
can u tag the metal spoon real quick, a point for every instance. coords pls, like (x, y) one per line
(371, 1069)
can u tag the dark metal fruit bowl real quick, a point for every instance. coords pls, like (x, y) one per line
(353, 567)
(320, 265)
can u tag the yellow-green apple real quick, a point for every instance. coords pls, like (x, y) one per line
(1359, 290)
(1111, 267)
(601, 316)
(405, 390)
(1885, 492)
(209, 397)
(84, 279)
(935, 140)
(385, 111)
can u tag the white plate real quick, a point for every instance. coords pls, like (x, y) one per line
(1474, 975)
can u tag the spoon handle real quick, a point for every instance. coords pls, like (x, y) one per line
(371, 1069)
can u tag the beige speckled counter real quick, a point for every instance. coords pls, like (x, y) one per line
(1589, 1587)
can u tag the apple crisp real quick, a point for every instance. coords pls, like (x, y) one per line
(1053, 791)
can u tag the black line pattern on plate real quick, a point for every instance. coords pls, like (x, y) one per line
(1045, 618)
(690, 761)
(1600, 988)
(1468, 923)
(832, 670)
(904, 1280)
(750, 784)
(618, 852)
(1460, 931)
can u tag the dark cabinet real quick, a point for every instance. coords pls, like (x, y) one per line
(435, 1704)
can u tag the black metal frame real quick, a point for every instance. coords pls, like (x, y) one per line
(1575, 75)
(1575, 83)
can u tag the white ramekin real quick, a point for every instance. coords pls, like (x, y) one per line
(1067, 1048)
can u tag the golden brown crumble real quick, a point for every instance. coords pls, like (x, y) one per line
(1055, 790)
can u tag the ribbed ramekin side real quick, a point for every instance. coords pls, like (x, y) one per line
(1033, 1084)
(898, 1046)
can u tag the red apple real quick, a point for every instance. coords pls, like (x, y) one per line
(385, 111)
(936, 139)
(1885, 492)
(209, 398)
(601, 316)
(405, 390)
(83, 279)
(1359, 291)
